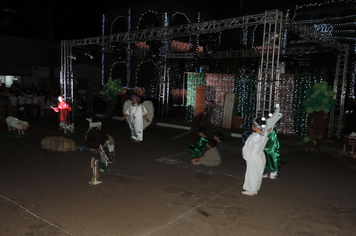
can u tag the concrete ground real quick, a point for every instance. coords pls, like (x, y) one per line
(154, 189)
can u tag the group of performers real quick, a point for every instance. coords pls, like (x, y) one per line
(260, 150)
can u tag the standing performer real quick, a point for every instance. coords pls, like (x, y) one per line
(273, 156)
(253, 152)
(62, 109)
(136, 112)
(255, 159)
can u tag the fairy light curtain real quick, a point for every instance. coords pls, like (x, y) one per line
(245, 88)
(286, 88)
(300, 116)
(217, 86)
(193, 80)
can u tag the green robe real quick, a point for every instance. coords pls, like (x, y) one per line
(197, 151)
(273, 157)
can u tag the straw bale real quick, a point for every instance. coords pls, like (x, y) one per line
(58, 144)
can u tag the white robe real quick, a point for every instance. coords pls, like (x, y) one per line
(255, 159)
(136, 113)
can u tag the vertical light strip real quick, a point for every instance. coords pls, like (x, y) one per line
(102, 50)
(128, 59)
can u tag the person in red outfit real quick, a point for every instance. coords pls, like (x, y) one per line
(62, 109)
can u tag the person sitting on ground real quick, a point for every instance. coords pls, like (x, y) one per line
(211, 157)
(197, 151)
(218, 137)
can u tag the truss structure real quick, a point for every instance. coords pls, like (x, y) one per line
(269, 71)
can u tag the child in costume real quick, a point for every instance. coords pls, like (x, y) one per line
(62, 109)
(211, 157)
(197, 151)
(255, 159)
(218, 137)
(253, 151)
(273, 157)
(137, 112)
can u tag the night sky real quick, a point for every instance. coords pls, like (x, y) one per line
(74, 21)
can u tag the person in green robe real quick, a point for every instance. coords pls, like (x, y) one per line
(198, 151)
(273, 156)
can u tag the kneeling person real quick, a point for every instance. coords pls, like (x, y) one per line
(211, 157)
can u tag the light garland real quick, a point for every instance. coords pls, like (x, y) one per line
(143, 15)
(102, 49)
(193, 80)
(245, 88)
(112, 68)
(181, 46)
(128, 57)
(300, 116)
(113, 22)
(337, 28)
(217, 85)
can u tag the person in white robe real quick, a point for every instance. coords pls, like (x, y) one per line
(136, 112)
(255, 159)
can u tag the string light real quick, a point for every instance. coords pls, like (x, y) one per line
(102, 49)
(300, 116)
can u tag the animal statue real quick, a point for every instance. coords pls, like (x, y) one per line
(68, 128)
(95, 167)
(92, 124)
(14, 123)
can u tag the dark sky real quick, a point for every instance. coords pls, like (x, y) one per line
(73, 21)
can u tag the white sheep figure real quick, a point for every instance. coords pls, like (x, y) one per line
(92, 124)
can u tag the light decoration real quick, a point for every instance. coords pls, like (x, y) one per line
(217, 85)
(113, 22)
(139, 69)
(178, 95)
(176, 78)
(306, 5)
(181, 46)
(113, 66)
(284, 44)
(193, 80)
(353, 77)
(143, 14)
(199, 49)
(300, 116)
(142, 46)
(102, 49)
(166, 47)
(128, 57)
(343, 29)
(285, 91)
(245, 88)
(186, 17)
(244, 37)
(253, 35)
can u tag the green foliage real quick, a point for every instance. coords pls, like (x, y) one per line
(319, 98)
(112, 88)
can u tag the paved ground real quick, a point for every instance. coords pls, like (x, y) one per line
(155, 190)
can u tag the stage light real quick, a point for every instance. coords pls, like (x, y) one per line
(90, 54)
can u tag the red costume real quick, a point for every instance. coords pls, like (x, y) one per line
(62, 109)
